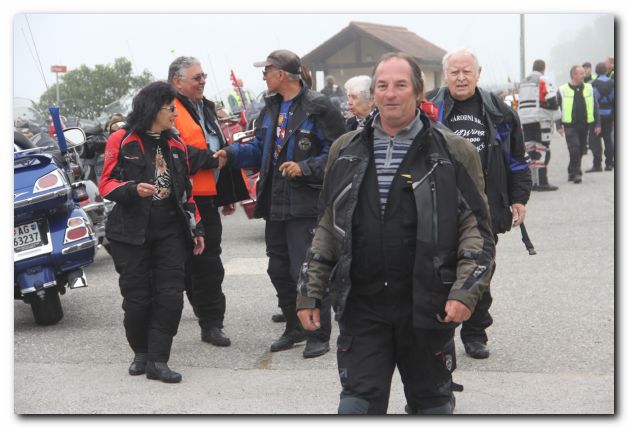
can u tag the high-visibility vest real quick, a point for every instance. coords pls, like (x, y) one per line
(568, 95)
(236, 95)
(203, 182)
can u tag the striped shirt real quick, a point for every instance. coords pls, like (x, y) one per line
(389, 152)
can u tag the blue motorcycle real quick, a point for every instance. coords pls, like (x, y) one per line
(53, 237)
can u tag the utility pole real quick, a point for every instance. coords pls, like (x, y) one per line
(522, 46)
(58, 69)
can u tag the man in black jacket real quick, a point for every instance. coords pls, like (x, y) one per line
(292, 139)
(495, 131)
(404, 244)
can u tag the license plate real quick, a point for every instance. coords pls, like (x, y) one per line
(26, 236)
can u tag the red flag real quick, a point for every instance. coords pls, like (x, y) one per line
(234, 81)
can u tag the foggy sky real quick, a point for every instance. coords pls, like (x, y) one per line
(234, 41)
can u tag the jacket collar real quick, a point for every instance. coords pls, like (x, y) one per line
(487, 101)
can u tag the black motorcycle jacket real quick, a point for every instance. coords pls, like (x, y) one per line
(448, 256)
(506, 173)
(127, 163)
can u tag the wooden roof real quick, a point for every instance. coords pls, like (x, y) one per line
(395, 38)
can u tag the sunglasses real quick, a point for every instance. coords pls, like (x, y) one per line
(199, 77)
(267, 70)
(172, 108)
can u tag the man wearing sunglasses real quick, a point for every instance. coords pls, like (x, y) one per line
(292, 138)
(199, 128)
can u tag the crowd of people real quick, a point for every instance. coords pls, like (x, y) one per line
(390, 217)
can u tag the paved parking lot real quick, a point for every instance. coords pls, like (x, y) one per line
(552, 344)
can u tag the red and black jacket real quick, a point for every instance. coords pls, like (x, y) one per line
(127, 163)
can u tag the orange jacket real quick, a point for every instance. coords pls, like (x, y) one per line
(203, 182)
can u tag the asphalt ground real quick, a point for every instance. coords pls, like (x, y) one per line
(552, 343)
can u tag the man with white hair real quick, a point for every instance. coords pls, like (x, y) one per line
(495, 130)
(359, 101)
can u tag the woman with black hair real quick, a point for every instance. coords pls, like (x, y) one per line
(152, 227)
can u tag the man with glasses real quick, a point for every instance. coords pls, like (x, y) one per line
(292, 139)
(199, 128)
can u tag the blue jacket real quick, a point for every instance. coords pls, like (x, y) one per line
(506, 174)
(313, 124)
(604, 91)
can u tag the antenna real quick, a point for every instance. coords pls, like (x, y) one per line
(214, 78)
(35, 45)
(34, 59)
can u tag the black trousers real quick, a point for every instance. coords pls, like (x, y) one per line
(204, 273)
(376, 335)
(286, 245)
(576, 136)
(609, 144)
(152, 283)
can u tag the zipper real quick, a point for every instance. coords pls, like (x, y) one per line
(389, 151)
(434, 213)
(416, 184)
(349, 158)
(335, 203)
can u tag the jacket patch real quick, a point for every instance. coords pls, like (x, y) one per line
(305, 145)
(478, 271)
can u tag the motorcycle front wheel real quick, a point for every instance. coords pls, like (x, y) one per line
(46, 307)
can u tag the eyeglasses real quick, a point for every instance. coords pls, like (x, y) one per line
(199, 77)
(172, 108)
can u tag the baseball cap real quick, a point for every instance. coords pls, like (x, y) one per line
(283, 59)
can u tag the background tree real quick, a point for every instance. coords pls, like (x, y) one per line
(84, 92)
(592, 43)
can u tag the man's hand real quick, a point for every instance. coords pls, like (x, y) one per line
(199, 245)
(145, 190)
(290, 169)
(310, 318)
(221, 155)
(561, 131)
(456, 311)
(518, 214)
(228, 209)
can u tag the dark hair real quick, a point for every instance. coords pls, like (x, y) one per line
(147, 103)
(417, 74)
(572, 70)
(539, 65)
(601, 68)
(586, 64)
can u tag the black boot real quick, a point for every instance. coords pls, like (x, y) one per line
(315, 347)
(161, 371)
(293, 333)
(278, 318)
(138, 365)
(544, 185)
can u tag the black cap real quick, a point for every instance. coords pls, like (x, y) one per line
(282, 59)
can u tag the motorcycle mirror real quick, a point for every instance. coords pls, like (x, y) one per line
(74, 136)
